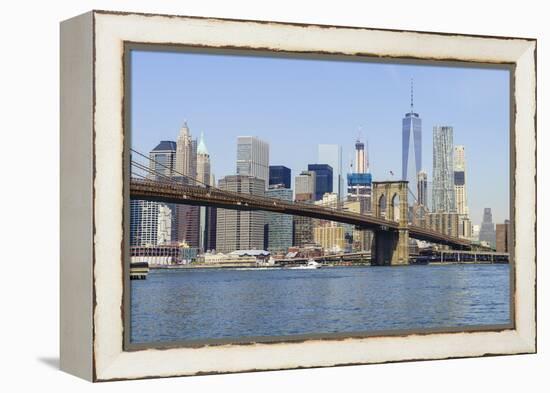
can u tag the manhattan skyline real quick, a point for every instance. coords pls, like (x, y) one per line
(297, 104)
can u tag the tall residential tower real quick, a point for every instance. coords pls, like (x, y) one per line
(443, 191)
(460, 180)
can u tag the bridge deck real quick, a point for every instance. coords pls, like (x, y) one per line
(209, 196)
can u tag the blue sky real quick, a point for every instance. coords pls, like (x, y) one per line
(295, 104)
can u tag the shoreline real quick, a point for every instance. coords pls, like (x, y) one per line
(278, 267)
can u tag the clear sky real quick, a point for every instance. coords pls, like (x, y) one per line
(296, 104)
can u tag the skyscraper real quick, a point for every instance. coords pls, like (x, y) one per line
(323, 179)
(305, 186)
(460, 192)
(422, 188)
(203, 163)
(360, 160)
(411, 158)
(359, 183)
(360, 189)
(253, 158)
(487, 230)
(332, 155)
(185, 153)
(420, 207)
(187, 225)
(187, 221)
(240, 229)
(207, 215)
(305, 193)
(460, 180)
(162, 160)
(279, 237)
(164, 227)
(150, 223)
(279, 174)
(443, 199)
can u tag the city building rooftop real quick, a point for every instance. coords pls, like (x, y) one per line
(165, 145)
(201, 149)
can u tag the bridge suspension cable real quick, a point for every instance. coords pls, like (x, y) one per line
(148, 170)
(166, 167)
(140, 171)
(424, 207)
(174, 180)
(212, 189)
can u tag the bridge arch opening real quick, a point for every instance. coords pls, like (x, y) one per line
(382, 206)
(394, 208)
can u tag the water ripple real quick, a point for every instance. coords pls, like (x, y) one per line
(190, 305)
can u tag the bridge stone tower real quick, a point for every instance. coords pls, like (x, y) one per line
(389, 201)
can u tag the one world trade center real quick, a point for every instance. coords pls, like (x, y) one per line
(411, 158)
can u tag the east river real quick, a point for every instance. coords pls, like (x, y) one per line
(180, 305)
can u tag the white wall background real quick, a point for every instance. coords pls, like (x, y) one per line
(29, 195)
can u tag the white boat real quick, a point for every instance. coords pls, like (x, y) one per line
(311, 264)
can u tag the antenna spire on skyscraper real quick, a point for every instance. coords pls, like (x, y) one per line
(412, 95)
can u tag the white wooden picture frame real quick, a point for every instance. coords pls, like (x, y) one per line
(93, 194)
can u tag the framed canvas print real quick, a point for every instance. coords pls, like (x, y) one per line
(247, 195)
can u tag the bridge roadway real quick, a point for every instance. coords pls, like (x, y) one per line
(169, 192)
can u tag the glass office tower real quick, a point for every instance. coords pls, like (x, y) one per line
(279, 174)
(323, 179)
(332, 155)
(411, 158)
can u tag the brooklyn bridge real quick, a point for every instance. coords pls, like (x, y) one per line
(389, 221)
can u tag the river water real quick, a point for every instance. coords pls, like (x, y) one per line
(180, 305)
